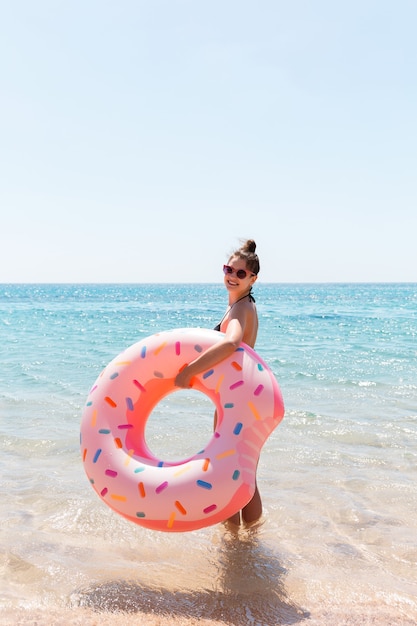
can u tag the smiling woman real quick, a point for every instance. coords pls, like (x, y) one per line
(239, 324)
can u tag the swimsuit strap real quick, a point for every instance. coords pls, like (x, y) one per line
(247, 295)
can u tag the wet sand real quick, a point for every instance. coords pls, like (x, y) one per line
(355, 616)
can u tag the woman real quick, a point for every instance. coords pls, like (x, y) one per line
(239, 323)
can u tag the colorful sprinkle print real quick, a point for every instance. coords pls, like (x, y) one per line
(237, 428)
(204, 484)
(199, 491)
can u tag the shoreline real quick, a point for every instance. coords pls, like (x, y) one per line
(362, 616)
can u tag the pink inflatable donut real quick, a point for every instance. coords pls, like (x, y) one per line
(206, 488)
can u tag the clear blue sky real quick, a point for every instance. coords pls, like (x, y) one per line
(140, 140)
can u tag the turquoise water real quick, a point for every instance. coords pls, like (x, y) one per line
(337, 477)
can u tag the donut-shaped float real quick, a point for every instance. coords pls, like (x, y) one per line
(205, 488)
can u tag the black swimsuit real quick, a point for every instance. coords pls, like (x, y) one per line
(248, 295)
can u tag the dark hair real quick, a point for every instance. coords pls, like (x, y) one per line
(247, 253)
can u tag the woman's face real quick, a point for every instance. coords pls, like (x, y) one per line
(232, 281)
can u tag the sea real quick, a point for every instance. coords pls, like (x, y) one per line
(337, 543)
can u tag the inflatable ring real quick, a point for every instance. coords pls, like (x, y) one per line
(199, 491)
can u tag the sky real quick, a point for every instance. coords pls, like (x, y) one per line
(140, 141)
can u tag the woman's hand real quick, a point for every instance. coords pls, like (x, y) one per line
(184, 378)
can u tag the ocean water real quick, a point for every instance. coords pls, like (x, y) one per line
(338, 539)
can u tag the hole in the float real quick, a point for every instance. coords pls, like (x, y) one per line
(180, 425)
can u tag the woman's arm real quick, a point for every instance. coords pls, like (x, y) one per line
(221, 350)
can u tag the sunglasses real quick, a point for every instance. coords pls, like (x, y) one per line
(227, 269)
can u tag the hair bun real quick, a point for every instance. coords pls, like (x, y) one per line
(248, 254)
(250, 245)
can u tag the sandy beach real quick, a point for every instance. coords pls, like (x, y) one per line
(358, 616)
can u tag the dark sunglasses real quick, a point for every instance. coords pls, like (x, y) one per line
(227, 269)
